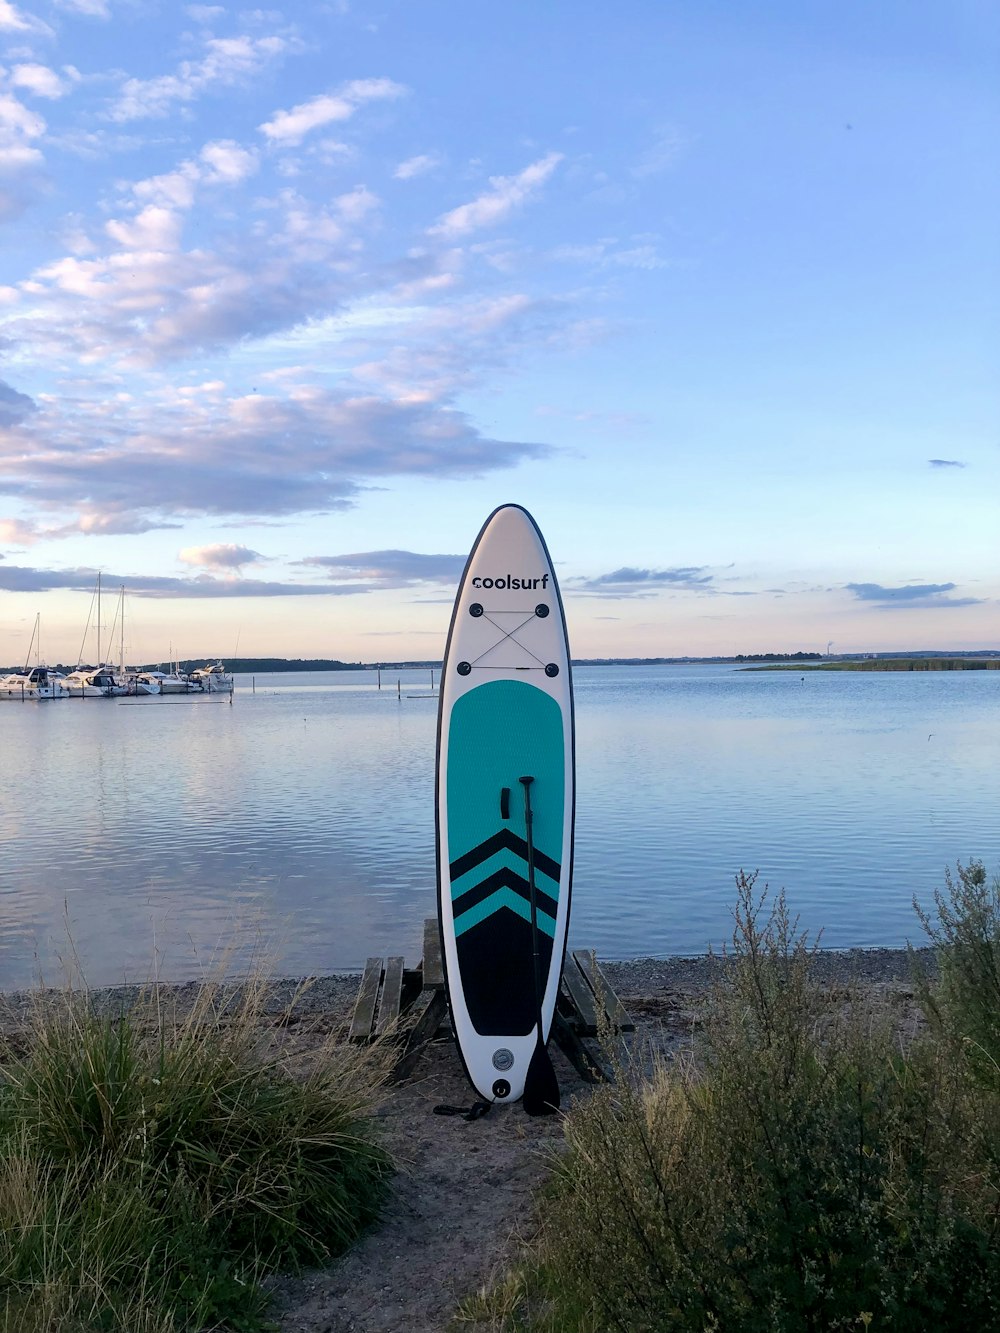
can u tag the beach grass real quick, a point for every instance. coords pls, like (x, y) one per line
(157, 1161)
(807, 1167)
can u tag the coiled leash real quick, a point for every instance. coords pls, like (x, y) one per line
(474, 1112)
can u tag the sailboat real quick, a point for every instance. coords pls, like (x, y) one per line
(93, 682)
(34, 682)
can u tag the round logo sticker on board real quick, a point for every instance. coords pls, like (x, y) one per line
(503, 1059)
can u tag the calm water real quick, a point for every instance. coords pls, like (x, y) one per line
(302, 814)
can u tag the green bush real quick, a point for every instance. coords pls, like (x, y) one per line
(153, 1165)
(965, 1004)
(800, 1172)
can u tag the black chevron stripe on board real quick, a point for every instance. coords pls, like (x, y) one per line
(505, 878)
(505, 840)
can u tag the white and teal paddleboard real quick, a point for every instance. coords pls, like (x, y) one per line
(505, 803)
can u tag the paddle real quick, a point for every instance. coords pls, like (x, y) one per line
(541, 1088)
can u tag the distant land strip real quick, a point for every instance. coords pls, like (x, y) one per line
(977, 663)
(931, 660)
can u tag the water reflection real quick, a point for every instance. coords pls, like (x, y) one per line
(303, 813)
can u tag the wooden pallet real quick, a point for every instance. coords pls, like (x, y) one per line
(589, 1019)
(409, 1005)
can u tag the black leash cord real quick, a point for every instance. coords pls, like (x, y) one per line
(474, 1112)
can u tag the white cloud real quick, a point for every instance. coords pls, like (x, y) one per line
(17, 123)
(416, 166)
(506, 194)
(147, 303)
(15, 532)
(289, 128)
(20, 161)
(223, 555)
(606, 253)
(228, 61)
(40, 80)
(95, 9)
(228, 162)
(356, 204)
(13, 19)
(221, 162)
(250, 456)
(155, 228)
(444, 347)
(174, 189)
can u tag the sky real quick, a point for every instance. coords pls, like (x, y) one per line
(291, 298)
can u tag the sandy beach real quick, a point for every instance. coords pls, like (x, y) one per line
(463, 1192)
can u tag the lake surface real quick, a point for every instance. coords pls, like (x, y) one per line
(299, 818)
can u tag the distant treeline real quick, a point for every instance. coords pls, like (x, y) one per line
(916, 664)
(680, 661)
(249, 665)
(900, 664)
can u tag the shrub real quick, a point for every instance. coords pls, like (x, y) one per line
(153, 1164)
(965, 1003)
(800, 1172)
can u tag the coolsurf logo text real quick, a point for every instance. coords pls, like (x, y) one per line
(509, 581)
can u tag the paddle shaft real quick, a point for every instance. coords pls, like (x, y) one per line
(541, 1087)
(529, 820)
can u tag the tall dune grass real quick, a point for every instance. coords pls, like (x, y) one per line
(804, 1170)
(155, 1163)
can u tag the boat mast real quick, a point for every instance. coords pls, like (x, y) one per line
(31, 643)
(100, 663)
(86, 630)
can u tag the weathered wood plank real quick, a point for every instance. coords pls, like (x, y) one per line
(585, 1010)
(580, 1054)
(392, 990)
(618, 1016)
(364, 1006)
(433, 967)
(427, 1013)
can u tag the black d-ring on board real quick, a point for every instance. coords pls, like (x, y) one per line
(475, 610)
(465, 667)
(541, 610)
(550, 670)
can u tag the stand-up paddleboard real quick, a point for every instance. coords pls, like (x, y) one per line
(505, 802)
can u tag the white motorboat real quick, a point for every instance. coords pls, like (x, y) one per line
(144, 682)
(93, 683)
(213, 678)
(33, 682)
(173, 681)
(37, 683)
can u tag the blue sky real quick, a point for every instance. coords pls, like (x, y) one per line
(291, 298)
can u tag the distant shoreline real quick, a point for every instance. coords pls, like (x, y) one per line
(931, 660)
(957, 663)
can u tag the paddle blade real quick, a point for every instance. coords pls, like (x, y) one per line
(541, 1087)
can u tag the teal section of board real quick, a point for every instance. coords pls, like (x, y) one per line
(513, 902)
(500, 732)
